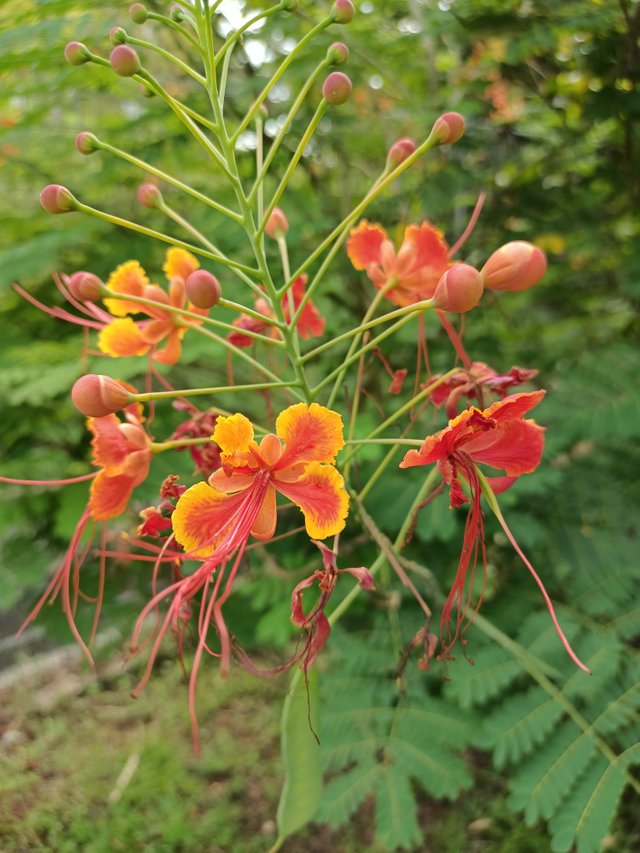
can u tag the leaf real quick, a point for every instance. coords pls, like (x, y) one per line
(302, 788)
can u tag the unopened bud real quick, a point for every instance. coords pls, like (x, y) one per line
(87, 143)
(117, 35)
(400, 150)
(146, 91)
(277, 224)
(514, 266)
(85, 286)
(336, 88)
(125, 61)
(177, 14)
(448, 128)
(76, 53)
(459, 289)
(203, 289)
(338, 53)
(343, 11)
(149, 195)
(98, 396)
(138, 13)
(57, 199)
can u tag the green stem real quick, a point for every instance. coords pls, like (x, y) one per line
(164, 176)
(162, 19)
(197, 392)
(233, 38)
(147, 45)
(161, 446)
(409, 442)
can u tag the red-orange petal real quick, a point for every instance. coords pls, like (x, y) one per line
(121, 338)
(265, 524)
(127, 278)
(202, 517)
(432, 249)
(155, 330)
(321, 496)
(310, 323)
(172, 350)
(440, 445)
(514, 406)
(364, 244)
(514, 447)
(110, 447)
(310, 434)
(109, 496)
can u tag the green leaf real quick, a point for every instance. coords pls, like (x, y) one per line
(302, 788)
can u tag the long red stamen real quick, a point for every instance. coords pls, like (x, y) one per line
(462, 239)
(82, 479)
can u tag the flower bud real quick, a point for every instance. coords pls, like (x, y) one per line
(177, 14)
(76, 53)
(98, 396)
(138, 13)
(277, 224)
(343, 11)
(514, 266)
(57, 199)
(203, 289)
(117, 35)
(85, 286)
(124, 60)
(448, 128)
(149, 195)
(338, 53)
(459, 289)
(399, 151)
(146, 91)
(87, 143)
(336, 88)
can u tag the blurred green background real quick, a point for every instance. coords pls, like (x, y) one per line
(550, 93)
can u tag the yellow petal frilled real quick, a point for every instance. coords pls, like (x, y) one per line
(310, 434)
(320, 493)
(179, 262)
(234, 436)
(122, 338)
(127, 278)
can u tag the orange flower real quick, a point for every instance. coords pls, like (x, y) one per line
(123, 452)
(240, 498)
(123, 336)
(412, 272)
(310, 323)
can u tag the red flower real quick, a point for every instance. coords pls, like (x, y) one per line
(471, 382)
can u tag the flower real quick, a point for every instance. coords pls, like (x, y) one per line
(498, 437)
(471, 383)
(123, 336)
(410, 274)
(240, 497)
(310, 322)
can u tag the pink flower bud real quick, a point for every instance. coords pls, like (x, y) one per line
(336, 88)
(85, 286)
(76, 53)
(87, 143)
(459, 289)
(149, 195)
(203, 289)
(338, 53)
(400, 150)
(448, 128)
(117, 35)
(138, 13)
(514, 266)
(57, 199)
(277, 224)
(343, 11)
(124, 60)
(98, 396)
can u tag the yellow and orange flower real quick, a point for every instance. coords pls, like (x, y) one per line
(123, 453)
(240, 497)
(411, 273)
(123, 336)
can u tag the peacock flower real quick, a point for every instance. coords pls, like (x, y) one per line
(407, 275)
(124, 336)
(122, 451)
(501, 438)
(310, 323)
(473, 382)
(240, 497)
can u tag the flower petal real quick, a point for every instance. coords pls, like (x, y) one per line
(265, 524)
(155, 330)
(441, 445)
(431, 247)
(364, 245)
(109, 496)
(514, 406)
(514, 447)
(126, 278)
(202, 517)
(110, 447)
(310, 323)
(310, 433)
(179, 262)
(233, 434)
(121, 338)
(321, 496)
(172, 350)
